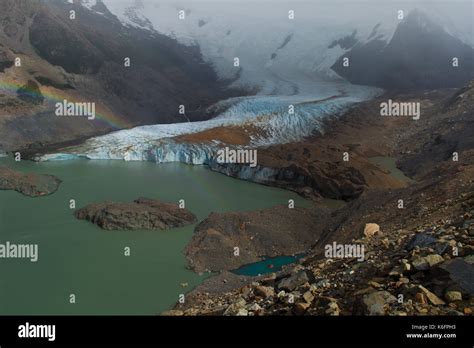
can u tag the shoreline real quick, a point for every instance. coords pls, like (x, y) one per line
(393, 138)
(264, 173)
(362, 133)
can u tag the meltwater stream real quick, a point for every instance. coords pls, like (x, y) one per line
(77, 257)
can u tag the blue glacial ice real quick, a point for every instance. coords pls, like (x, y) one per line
(270, 114)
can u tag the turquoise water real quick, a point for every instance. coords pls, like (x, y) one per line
(268, 265)
(77, 257)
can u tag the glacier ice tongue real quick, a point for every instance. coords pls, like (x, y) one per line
(269, 114)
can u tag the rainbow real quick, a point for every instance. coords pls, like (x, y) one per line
(53, 95)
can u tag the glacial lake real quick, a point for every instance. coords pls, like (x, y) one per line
(267, 265)
(77, 257)
(390, 164)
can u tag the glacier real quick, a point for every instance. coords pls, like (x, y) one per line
(288, 62)
(158, 143)
(269, 114)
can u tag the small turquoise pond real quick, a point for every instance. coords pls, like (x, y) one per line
(268, 265)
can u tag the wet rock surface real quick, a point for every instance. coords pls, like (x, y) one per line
(143, 213)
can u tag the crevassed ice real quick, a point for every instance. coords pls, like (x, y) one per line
(268, 113)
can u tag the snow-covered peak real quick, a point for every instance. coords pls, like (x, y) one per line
(277, 52)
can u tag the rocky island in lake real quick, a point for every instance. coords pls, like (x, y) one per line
(32, 185)
(141, 214)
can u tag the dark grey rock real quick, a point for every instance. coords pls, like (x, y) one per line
(293, 281)
(461, 274)
(423, 240)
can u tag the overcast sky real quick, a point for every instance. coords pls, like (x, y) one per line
(456, 15)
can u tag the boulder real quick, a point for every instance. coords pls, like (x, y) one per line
(376, 302)
(420, 298)
(333, 309)
(255, 307)
(423, 240)
(237, 308)
(371, 229)
(434, 259)
(301, 307)
(293, 281)
(452, 296)
(264, 291)
(421, 264)
(242, 312)
(460, 274)
(426, 262)
(431, 297)
(308, 296)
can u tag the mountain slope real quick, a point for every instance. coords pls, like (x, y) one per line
(291, 56)
(419, 55)
(82, 59)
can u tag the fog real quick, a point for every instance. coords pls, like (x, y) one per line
(456, 15)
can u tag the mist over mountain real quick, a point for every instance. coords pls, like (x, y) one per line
(421, 54)
(280, 55)
(237, 157)
(84, 59)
